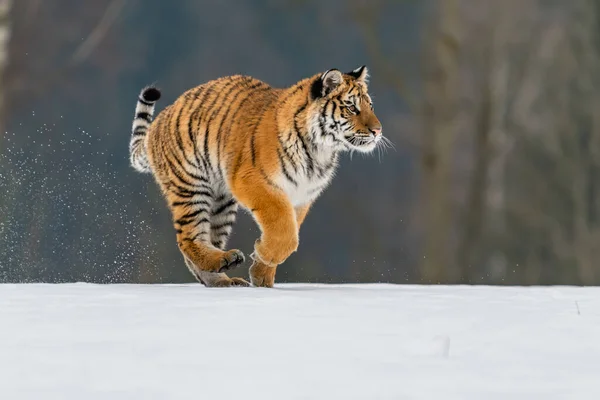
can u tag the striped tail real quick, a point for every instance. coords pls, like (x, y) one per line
(144, 111)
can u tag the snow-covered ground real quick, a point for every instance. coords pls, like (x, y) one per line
(82, 341)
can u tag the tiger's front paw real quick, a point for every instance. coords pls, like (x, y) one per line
(275, 251)
(262, 275)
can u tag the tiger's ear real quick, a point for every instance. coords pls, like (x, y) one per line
(360, 74)
(328, 82)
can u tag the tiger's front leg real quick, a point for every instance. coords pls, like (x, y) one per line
(263, 275)
(276, 218)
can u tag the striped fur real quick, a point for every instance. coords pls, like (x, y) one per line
(237, 141)
(144, 111)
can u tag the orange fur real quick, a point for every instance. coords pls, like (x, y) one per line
(236, 140)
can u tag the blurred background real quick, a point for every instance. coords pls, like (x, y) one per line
(493, 107)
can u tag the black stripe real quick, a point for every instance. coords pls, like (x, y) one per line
(268, 180)
(186, 221)
(207, 187)
(180, 163)
(179, 132)
(206, 155)
(193, 238)
(335, 106)
(201, 91)
(287, 151)
(195, 176)
(323, 118)
(185, 193)
(147, 103)
(309, 160)
(335, 121)
(299, 110)
(176, 188)
(203, 179)
(253, 135)
(143, 115)
(194, 213)
(202, 221)
(169, 124)
(287, 175)
(191, 203)
(175, 172)
(221, 226)
(225, 206)
(198, 115)
(253, 148)
(183, 169)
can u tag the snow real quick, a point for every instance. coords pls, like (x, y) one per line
(84, 341)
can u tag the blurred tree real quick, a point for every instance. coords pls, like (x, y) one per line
(492, 31)
(530, 214)
(553, 193)
(440, 124)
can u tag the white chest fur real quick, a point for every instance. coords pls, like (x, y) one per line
(304, 185)
(303, 190)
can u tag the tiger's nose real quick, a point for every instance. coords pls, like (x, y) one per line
(376, 130)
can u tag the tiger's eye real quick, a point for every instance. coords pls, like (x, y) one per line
(352, 109)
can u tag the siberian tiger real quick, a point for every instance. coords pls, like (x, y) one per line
(236, 140)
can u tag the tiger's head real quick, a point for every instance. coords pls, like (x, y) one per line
(342, 114)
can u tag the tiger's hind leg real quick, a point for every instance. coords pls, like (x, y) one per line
(191, 212)
(222, 218)
(223, 215)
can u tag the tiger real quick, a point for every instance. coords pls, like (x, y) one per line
(236, 141)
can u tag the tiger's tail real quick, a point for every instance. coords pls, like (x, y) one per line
(144, 112)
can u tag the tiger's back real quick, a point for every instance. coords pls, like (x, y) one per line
(236, 140)
(202, 129)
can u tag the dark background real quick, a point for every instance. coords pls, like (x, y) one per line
(493, 107)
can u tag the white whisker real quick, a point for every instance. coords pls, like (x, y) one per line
(388, 143)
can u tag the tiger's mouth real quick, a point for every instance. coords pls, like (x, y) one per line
(365, 143)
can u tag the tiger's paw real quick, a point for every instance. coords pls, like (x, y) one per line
(222, 280)
(262, 275)
(275, 251)
(231, 259)
(235, 281)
